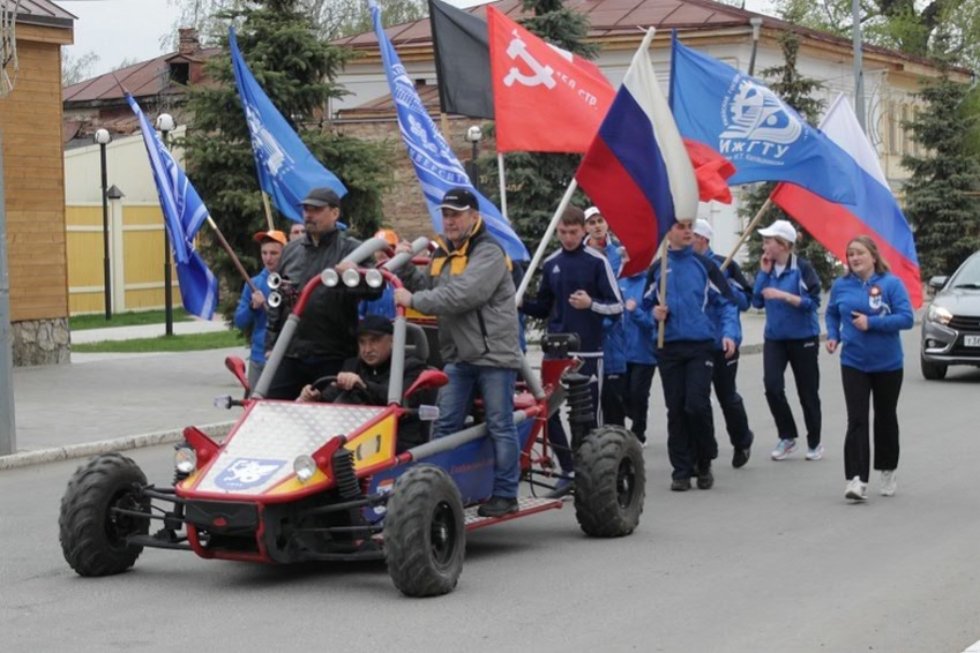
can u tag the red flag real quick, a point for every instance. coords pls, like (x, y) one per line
(545, 99)
(711, 170)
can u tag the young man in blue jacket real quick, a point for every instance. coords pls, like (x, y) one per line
(726, 367)
(577, 292)
(250, 312)
(641, 358)
(695, 287)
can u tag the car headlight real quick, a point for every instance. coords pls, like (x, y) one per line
(185, 459)
(351, 277)
(374, 278)
(329, 278)
(939, 314)
(305, 468)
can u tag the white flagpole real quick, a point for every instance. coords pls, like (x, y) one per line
(503, 185)
(545, 239)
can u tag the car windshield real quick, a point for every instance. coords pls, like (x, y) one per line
(968, 276)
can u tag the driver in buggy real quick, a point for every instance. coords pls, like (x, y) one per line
(364, 379)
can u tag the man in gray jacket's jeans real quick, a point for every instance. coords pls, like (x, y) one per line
(469, 288)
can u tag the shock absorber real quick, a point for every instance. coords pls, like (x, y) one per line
(578, 398)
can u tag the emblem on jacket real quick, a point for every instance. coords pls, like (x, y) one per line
(874, 298)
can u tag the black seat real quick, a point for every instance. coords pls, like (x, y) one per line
(416, 342)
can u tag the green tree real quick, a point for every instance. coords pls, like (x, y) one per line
(536, 182)
(797, 91)
(296, 70)
(940, 196)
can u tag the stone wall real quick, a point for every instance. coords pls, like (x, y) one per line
(41, 342)
(404, 204)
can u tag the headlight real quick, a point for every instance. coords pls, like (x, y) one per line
(374, 278)
(305, 468)
(329, 278)
(351, 277)
(185, 459)
(939, 314)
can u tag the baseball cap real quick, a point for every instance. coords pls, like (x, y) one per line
(321, 197)
(780, 229)
(273, 235)
(375, 324)
(703, 229)
(591, 211)
(459, 199)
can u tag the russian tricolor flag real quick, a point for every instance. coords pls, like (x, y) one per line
(874, 211)
(637, 170)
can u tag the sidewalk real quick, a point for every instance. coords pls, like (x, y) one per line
(112, 402)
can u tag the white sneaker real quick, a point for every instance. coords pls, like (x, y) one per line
(856, 490)
(783, 449)
(889, 482)
(816, 453)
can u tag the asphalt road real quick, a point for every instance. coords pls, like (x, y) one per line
(772, 559)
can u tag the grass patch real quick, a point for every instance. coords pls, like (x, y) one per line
(130, 318)
(191, 342)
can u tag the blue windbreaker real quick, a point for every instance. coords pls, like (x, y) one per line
(884, 299)
(783, 320)
(246, 316)
(741, 297)
(638, 324)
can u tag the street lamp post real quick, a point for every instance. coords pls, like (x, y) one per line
(103, 137)
(474, 134)
(165, 123)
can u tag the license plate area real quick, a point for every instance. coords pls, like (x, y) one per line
(971, 341)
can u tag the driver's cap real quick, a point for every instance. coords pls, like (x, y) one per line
(375, 324)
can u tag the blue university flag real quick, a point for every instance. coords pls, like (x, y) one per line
(751, 126)
(183, 214)
(287, 169)
(436, 165)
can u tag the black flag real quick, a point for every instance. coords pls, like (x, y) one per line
(462, 52)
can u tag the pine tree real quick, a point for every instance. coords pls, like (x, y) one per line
(796, 90)
(536, 182)
(296, 70)
(940, 196)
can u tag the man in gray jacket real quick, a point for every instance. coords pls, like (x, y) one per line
(469, 288)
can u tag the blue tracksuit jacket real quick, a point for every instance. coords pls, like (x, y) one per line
(246, 316)
(785, 321)
(741, 297)
(885, 301)
(638, 325)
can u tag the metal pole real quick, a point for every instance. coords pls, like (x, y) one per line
(858, 65)
(107, 279)
(168, 294)
(756, 23)
(8, 425)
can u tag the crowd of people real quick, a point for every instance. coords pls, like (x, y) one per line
(693, 299)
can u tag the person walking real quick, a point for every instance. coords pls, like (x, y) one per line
(868, 307)
(789, 289)
(250, 313)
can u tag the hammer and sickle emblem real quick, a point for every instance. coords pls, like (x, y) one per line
(541, 75)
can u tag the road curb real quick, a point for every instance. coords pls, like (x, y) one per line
(55, 454)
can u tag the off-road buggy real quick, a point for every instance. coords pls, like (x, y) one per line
(296, 482)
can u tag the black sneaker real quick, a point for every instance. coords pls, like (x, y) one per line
(741, 456)
(497, 507)
(705, 478)
(680, 485)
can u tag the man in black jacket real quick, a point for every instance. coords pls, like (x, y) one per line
(325, 337)
(364, 379)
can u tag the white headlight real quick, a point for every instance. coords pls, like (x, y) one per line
(374, 278)
(185, 459)
(330, 278)
(939, 314)
(351, 278)
(305, 467)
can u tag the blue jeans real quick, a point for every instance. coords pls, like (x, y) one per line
(496, 386)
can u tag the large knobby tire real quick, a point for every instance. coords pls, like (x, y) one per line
(610, 482)
(424, 532)
(932, 371)
(93, 537)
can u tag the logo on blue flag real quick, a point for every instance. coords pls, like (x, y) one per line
(436, 166)
(286, 168)
(183, 213)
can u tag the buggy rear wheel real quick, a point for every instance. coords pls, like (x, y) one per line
(93, 535)
(424, 532)
(610, 482)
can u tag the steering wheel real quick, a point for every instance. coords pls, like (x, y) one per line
(324, 382)
(356, 394)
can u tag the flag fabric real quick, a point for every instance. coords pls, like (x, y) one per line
(462, 53)
(183, 213)
(874, 211)
(637, 170)
(435, 164)
(286, 168)
(545, 99)
(743, 120)
(712, 171)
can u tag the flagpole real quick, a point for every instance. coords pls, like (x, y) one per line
(746, 233)
(268, 210)
(545, 239)
(503, 185)
(234, 259)
(662, 325)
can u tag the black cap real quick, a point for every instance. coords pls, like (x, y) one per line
(321, 197)
(375, 324)
(459, 199)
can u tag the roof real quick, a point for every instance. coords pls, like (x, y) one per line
(41, 12)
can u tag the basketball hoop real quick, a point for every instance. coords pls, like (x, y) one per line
(8, 45)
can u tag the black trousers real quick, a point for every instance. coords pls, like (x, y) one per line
(294, 373)
(732, 406)
(883, 389)
(685, 373)
(613, 399)
(801, 355)
(639, 378)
